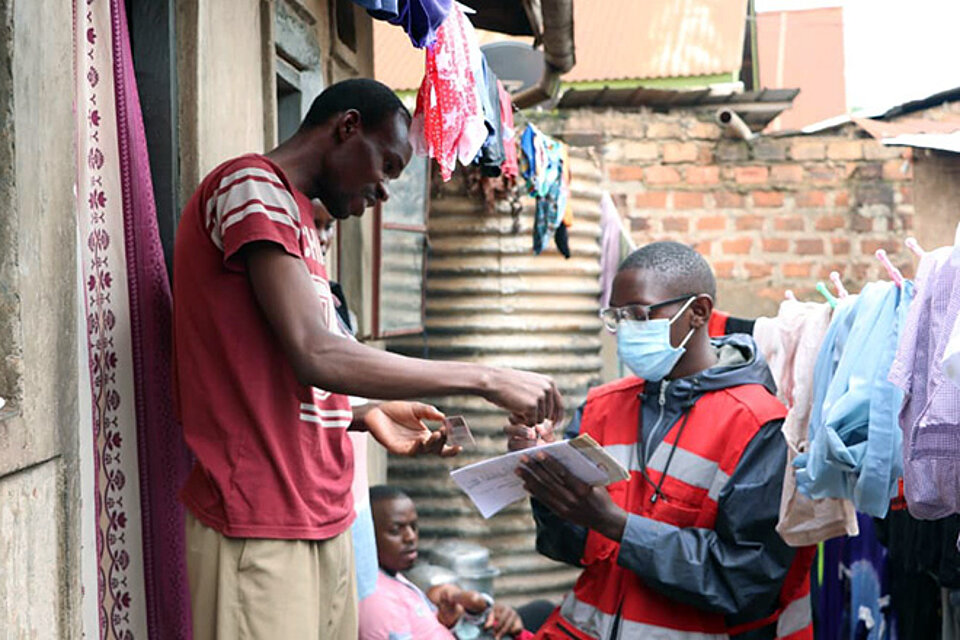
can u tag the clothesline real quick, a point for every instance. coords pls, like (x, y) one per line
(882, 380)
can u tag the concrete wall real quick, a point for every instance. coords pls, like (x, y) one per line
(221, 76)
(39, 498)
(803, 49)
(775, 214)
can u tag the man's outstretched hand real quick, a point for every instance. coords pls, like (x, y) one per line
(520, 436)
(399, 426)
(530, 397)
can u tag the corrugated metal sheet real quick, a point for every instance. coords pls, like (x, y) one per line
(879, 129)
(942, 134)
(633, 39)
(490, 300)
(756, 108)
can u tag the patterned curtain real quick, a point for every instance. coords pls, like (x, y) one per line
(140, 459)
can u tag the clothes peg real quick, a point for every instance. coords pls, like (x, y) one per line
(789, 295)
(914, 246)
(838, 285)
(892, 271)
(822, 288)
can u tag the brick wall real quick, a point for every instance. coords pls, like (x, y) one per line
(775, 214)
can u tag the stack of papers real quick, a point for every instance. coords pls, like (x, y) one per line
(493, 484)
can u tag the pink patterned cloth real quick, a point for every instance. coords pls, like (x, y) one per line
(448, 122)
(511, 164)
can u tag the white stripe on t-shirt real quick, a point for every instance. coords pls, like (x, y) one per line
(231, 202)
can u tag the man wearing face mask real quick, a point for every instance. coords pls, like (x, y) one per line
(686, 547)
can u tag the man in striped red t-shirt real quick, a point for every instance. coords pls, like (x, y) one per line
(263, 374)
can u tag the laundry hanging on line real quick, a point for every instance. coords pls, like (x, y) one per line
(854, 435)
(421, 19)
(931, 412)
(544, 166)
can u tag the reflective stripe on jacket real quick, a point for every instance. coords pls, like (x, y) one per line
(678, 485)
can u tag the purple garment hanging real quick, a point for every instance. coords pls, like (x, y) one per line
(930, 415)
(419, 18)
(611, 230)
(164, 459)
(853, 601)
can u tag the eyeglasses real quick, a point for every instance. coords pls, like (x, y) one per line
(612, 316)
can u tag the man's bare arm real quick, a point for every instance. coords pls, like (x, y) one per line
(285, 291)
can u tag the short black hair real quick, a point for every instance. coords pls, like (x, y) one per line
(375, 102)
(684, 270)
(381, 492)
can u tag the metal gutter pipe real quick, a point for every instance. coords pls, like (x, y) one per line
(558, 52)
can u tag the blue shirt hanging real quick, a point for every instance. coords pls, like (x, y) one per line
(854, 433)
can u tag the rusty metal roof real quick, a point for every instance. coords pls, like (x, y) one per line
(641, 39)
(616, 40)
(756, 108)
(923, 132)
(880, 129)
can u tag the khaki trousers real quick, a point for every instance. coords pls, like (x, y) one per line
(256, 589)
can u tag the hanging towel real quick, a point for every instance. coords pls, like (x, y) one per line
(854, 433)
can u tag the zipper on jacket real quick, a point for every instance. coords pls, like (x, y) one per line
(662, 400)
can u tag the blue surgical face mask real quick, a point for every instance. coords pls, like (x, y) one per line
(645, 346)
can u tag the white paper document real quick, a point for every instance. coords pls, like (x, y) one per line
(493, 484)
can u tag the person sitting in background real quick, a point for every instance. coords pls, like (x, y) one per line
(399, 610)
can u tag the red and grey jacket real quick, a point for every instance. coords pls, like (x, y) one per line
(700, 557)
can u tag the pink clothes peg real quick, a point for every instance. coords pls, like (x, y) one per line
(838, 285)
(789, 295)
(892, 271)
(914, 246)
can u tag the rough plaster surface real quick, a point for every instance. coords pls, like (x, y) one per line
(11, 361)
(30, 559)
(39, 534)
(44, 242)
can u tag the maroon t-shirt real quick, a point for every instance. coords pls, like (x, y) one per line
(273, 456)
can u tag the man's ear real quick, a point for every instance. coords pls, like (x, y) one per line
(700, 310)
(348, 124)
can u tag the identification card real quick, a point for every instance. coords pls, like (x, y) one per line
(458, 433)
